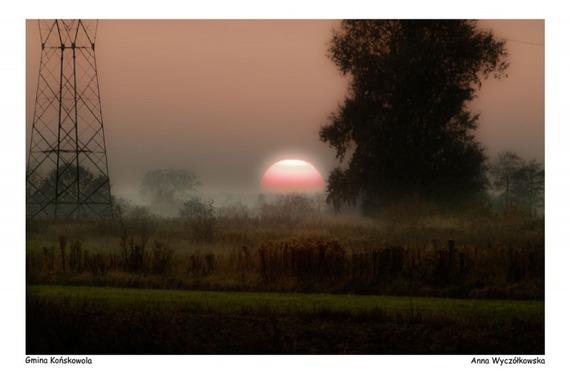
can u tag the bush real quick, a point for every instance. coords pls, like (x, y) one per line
(198, 214)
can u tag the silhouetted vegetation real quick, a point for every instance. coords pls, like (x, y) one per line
(198, 214)
(404, 127)
(414, 251)
(68, 190)
(518, 184)
(484, 257)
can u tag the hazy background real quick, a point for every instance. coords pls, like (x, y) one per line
(15, 105)
(226, 98)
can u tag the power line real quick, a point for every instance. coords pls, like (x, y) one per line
(524, 42)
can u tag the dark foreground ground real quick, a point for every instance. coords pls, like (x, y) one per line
(86, 328)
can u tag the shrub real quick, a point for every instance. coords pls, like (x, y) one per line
(162, 256)
(199, 216)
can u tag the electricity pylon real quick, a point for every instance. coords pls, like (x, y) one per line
(67, 173)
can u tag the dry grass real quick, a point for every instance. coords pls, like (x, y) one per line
(440, 256)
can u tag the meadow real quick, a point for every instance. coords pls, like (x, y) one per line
(249, 267)
(89, 320)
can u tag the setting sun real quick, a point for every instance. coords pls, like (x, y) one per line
(292, 175)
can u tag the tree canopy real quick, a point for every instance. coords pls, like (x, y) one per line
(404, 128)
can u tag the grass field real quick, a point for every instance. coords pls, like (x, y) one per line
(319, 284)
(88, 320)
(288, 303)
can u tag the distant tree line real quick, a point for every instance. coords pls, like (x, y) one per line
(166, 190)
(516, 183)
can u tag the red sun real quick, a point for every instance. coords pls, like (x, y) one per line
(292, 176)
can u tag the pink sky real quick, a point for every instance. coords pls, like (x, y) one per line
(227, 98)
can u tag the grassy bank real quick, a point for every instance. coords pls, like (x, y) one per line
(290, 303)
(83, 320)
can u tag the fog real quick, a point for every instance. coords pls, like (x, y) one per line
(227, 98)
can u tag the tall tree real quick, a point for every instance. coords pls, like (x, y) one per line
(404, 126)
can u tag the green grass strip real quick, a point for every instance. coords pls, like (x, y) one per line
(290, 303)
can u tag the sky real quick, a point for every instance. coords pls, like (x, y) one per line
(18, 72)
(228, 98)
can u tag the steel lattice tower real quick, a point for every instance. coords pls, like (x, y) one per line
(67, 172)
